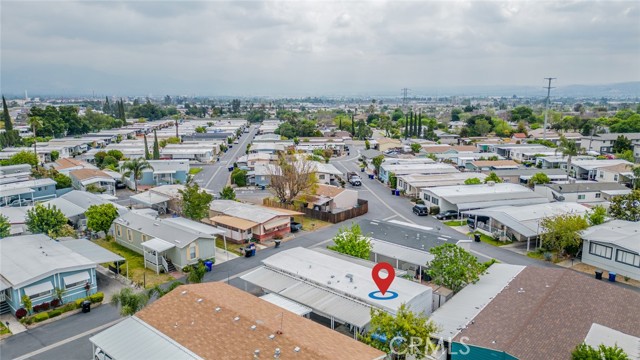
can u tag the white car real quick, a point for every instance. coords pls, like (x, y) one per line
(236, 141)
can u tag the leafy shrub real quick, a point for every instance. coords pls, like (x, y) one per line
(45, 306)
(434, 210)
(54, 313)
(420, 201)
(277, 237)
(97, 297)
(21, 313)
(186, 269)
(79, 303)
(55, 303)
(40, 317)
(68, 307)
(37, 308)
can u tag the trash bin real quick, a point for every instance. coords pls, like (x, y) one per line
(476, 237)
(599, 274)
(371, 176)
(262, 187)
(361, 169)
(86, 306)
(247, 252)
(397, 192)
(612, 276)
(230, 168)
(393, 192)
(208, 264)
(253, 251)
(277, 242)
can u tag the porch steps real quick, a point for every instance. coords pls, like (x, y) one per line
(4, 308)
(172, 268)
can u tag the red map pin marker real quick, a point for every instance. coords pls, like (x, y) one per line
(383, 284)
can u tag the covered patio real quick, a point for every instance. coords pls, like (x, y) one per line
(95, 253)
(153, 254)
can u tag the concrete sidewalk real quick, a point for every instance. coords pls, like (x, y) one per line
(12, 323)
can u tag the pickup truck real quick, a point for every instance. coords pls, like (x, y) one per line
(354, 179)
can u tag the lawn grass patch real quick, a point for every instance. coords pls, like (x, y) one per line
(490, 240)
(310, 224)
(195, 170)
(4, 329)
(232, 247)
(455, 222)
(137, 272)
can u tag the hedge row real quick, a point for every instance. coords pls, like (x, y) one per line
(21, 313)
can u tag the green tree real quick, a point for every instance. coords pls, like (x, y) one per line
(522, 113)
(473, 181)
(635, 182)
(562, 232)
(156, 147)
(195, 203)
(147, 155)
(454, 267)
(23, 157)
(569, 149)
(5, 227)
(6, 116)
(35, 122)
(493, 177)
(134, 168)
(239, 177)
(45, 219)
(539, 178)
(100, 217)
(626, 155)
(159, 291)
(622, 144)
(377, 162)
(116, 154)
(602, 352)
(367, 145)
(201, 129)
(26, 301)
(384, 328)
(62, 181)
(227, 193)
(350, 241)
(60, 294)
(197, 273)
(597, 215)
(415, 148)
(129, 301)
(482, 127)
(626, 207)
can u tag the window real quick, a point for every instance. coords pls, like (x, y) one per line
(435, 201)
(75, 284)
(601, 174)
(42, 294)
(628, 258)
(119, 230)
(427, 197)
(193, 251)
(144, 238)
(581, 197)
(321, 176)
(598, 195)
(600, 250)
(615, 177)
(129, 235)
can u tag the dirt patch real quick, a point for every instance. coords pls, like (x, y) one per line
(588, 269)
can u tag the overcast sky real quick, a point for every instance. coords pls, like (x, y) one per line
(320, 47)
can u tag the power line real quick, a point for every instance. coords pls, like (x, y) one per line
(546, 113)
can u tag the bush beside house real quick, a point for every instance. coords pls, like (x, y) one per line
(42, 311)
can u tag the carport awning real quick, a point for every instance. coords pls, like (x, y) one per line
(91, 251)
(286, 304)
(37, 289)
(76, 278)
(149, 198)
(158, 245)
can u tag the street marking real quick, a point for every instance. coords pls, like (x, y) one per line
(389, 218)
(212, 177)
(68, 340)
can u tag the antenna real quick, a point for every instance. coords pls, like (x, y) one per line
(546, 113)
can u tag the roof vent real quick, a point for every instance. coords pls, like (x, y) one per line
(276, 353)
(236, 318)
(199, 300)
(184, 292)
(272, 336)
(256, 352)
(218, 309)
(296, 349)
(350, 277)
(253, 327)
(156, 224)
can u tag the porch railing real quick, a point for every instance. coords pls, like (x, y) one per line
(165, 265)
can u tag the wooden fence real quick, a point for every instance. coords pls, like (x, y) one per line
(361, 209)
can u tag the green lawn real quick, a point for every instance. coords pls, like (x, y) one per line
(4, 329)
(194, 170)
(231, 246)
(490, 240)
(455, 223)
(309, 224)
(535, 255)
(137, 272)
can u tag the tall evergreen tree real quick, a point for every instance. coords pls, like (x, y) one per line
(6, 117)
(406, 126)
(340, 123)
(147, 156)
(106, 108)
(419, 125)
(156, 147)
(353, 125)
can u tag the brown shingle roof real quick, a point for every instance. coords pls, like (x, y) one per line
(66, 163)
(83, 174)
(216, 335)
(553, 314)
(328, 190)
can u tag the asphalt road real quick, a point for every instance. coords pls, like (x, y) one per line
(214, 176)
(68, 338)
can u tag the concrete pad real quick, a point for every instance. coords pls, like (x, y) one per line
(12, 323)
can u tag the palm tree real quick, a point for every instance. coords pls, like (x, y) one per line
(129, 302)
(135, 167)
(35, 122)
(160, 292)
(569, 149)
(635, 182)
(60, 294)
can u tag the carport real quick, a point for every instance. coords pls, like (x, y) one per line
(95, 253)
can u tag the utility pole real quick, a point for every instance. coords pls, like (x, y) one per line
(405, 92)
(546, 113)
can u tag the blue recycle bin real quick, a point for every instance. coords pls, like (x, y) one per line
(612, 276)
(208, 264)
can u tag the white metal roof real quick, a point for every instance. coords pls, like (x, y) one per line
(456, 313)
(203, 228)
(133, 339)
(286, 304)
(400, 252)
(28, 258)
(149, 198)
(91, 251)
(625, 234)
(68, 208)
(178, 234)
(322, 301)
(603, 335)
(158, 245)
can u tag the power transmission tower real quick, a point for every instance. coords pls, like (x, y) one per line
(546, 113)
(405, 92)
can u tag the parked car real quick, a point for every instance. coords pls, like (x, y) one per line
(471, 221)
(450, 214)
(19, 202)
(354, 179)
(295, 226)
(421, 210)
(236, 141)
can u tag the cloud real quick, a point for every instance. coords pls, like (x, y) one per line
(286, 47)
